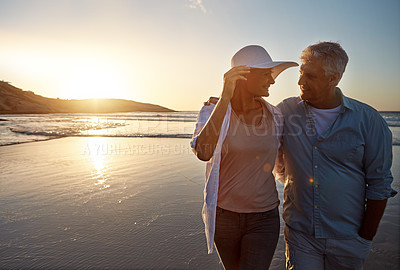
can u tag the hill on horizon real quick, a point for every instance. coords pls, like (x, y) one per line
(14, 100)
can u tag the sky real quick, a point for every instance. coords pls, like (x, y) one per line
(174, 52)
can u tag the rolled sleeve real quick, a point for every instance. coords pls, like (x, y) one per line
(202, 119)
(378, 161)
(193, 143)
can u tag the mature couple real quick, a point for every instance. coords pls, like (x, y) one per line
(332, 152)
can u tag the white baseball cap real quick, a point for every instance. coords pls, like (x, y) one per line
(256, 56)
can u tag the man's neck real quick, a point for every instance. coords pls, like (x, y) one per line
(330, 102)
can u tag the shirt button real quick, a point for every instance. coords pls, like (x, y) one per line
(316, 185)
(316, 166)
(315, 147)
(315, 206)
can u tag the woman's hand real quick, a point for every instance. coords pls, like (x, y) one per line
(230, 79)
(208, 137)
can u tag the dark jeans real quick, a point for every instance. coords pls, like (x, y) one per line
(246, 240)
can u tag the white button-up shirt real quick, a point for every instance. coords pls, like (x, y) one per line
(213, 165)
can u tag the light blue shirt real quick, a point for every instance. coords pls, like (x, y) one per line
(329, 177)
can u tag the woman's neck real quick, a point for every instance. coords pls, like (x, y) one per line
(243, 102)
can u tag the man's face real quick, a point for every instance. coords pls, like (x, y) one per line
(314, 85)
(258, 82)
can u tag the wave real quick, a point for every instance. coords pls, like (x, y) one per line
(60, 135)
(152, 119)
(175, 136)
(40, 133)
(181, 136)
(21, 142)
(396, 141)
(102, 117)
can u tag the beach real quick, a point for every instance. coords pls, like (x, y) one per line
(124, 203)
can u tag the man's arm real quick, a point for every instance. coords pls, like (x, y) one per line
(279, 168)
(377, 163)
(372, 216)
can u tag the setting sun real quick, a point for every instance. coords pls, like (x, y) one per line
(93, 80)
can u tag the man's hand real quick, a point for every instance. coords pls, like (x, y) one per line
(372, 217)
(212, 100)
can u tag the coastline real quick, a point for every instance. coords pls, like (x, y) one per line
(121, 203)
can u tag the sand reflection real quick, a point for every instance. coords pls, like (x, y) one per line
(99, 173)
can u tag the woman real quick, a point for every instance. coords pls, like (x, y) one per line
(238, 137)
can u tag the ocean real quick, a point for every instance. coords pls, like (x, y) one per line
(21, 128)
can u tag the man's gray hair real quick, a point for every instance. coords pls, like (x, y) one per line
(334, 58)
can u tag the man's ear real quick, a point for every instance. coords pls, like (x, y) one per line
(334, 79)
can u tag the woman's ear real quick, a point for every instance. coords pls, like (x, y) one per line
(240, 84)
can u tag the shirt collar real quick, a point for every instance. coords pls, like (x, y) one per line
(345, 101)
(272, 109)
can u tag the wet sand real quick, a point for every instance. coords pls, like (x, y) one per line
(122, 203)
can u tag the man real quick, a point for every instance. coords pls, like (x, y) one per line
(336, 159)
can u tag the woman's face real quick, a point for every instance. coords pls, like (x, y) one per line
(258, 82)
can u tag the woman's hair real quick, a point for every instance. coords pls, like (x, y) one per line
(334, 58)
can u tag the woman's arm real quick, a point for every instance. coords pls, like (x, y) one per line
(207, 140)
(208, 136)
